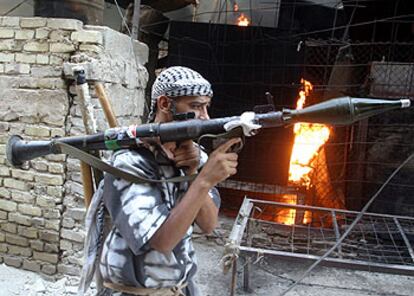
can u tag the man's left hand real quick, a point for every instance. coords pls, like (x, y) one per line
(187, 157)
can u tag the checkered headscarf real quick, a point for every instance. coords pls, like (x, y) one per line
(178, 81)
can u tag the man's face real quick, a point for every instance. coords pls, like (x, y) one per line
(197, 104)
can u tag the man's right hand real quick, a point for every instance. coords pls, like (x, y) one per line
(221, 164)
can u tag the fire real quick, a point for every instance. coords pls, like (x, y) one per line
(243, 20)
(309, 138)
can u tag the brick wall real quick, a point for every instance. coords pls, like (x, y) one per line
(41, 204)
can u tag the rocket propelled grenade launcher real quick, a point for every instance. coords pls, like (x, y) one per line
(340, 111)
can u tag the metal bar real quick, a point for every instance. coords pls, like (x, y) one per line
(285, 205)
(233, 279)
(246, 275)
(337, 233)
(393, 241)
(406, 240)
(239, 226)
(362, 265)
(135, 19)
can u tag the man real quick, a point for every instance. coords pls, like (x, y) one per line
(149, 249)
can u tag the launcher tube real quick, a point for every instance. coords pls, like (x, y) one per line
(341, 111)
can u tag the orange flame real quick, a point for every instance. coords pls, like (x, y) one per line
(309, 138)
(243, 21)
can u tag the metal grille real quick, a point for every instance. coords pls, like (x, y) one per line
(378, 242)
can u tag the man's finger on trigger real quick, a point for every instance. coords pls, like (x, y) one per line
(227, 145)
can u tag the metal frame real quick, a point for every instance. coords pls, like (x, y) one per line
(380, 242)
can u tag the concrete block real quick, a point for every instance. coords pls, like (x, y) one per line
(33, 22)
(72, 235)
(3, 215)
(17, 68)
(29, 232)
(48, 179)
(45, 201)
(4, 126)
(56, 157)
(49, 269)
(51, 213)
(6, 33)
(42, 59)
(17, 240)
(65, 245)
(37, 245)
(16, 184)
(62, 47)
(64, 24)
(25, 58)
(23, 175)
(42, 33)
(56, 168)
(59, 36)
(41, 83)
(52, 224)
(8, 45)
(86, 36)
(91, 48)
(9, 227)
(22, 197)
(55, 191)
(39, 165)
(24, 34)
(3, 149)
(10, 21)
(37, 131)
(5, 193)
(6, 57)
(29, 210)
(2, 237)
(51, 106)
(46, 257)
(68, 223)
(4, 171)
(38, 221)
(56, 60)
(68, 269)
(51, 248)
(49, 236)
(31, 265)
(13, 261)
(36, 46)
(46, 71)
(57, 132)
(76, 213)
(7, 205)
(20, 219)
(20, 251)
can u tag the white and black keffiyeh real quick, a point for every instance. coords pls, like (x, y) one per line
(178, 81)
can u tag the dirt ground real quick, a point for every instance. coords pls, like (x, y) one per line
(269, 276)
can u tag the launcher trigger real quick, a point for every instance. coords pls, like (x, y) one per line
(233, 133)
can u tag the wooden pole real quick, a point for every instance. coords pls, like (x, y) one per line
(84, 101)
(106, 105)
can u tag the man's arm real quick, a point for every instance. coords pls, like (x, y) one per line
(196, 201)
(207, 216)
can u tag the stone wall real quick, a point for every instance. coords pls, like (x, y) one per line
(41, 203)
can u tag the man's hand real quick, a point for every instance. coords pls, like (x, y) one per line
(221, 164)
(187, 157)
